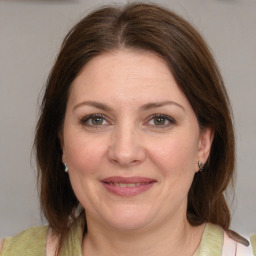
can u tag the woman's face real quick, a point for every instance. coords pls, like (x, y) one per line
(131, 141)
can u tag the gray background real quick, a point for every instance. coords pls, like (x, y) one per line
(30, 36)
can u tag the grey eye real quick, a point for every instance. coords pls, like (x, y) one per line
(160, 120)
(94, 120)
(97, 120)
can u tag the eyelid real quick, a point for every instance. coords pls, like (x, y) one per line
(167, 117)
(83, 120)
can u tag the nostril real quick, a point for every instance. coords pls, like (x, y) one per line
(125, 151)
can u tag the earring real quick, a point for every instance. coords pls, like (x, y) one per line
(66, 167)
(200, 165)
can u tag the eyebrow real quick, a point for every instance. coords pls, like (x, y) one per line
(160, 104)
(93, 104)
(144, 107)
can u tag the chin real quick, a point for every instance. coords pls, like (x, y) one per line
(129, 224)
(129, 219)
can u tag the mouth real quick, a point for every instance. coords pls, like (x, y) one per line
(129, 186)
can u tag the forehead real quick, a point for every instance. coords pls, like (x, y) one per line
(126, 74)
(126, 64)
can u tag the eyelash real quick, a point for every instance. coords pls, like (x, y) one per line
(84, 121)
(162, 116)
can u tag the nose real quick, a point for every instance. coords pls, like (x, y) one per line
(126, 148)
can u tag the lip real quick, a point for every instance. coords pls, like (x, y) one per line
(127, 186)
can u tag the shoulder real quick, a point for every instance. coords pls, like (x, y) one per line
(240, 245)
(31, 241)
(1, 244)
(234, 244)
(216, 241)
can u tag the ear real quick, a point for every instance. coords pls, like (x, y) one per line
(61, 140)
(205, 144)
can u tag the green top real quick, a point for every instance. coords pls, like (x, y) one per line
(253, 242)
(32, 241)
(29, 242)
(211, 242)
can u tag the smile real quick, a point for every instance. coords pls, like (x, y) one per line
(131, 186)
(124, 185)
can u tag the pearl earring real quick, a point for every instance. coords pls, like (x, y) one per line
(66, 167)
(200, 165)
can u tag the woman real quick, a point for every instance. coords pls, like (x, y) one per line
(135, 143)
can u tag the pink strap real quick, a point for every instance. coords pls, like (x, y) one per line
(51, 243)
(243, 250)
(232, 248)
(229, 246)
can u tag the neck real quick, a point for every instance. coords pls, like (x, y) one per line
(172, 238)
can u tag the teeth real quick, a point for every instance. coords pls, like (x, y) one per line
(124, 185)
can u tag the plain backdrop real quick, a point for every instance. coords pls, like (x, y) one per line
(31, 32)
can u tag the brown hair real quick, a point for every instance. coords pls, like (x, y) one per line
(142, 27)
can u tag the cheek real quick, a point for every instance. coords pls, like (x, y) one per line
(85, 159)
(175, 156)
(84, 154)
(174, 161)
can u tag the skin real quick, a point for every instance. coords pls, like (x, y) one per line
(127, 140)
